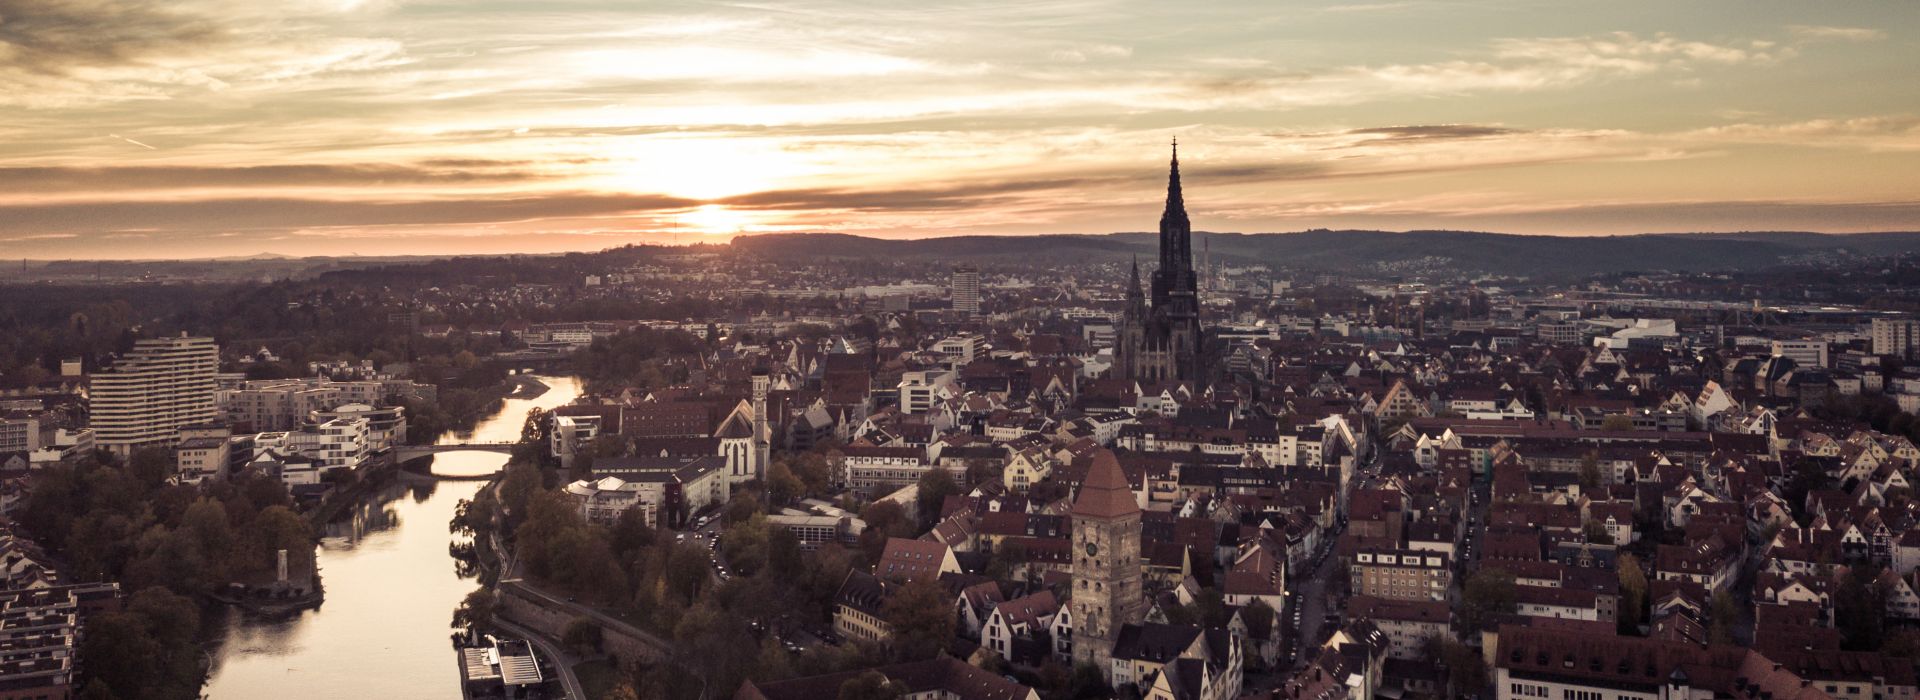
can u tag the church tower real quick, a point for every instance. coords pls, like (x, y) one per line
(1106, 562)
(762, 435)
(1165, 344)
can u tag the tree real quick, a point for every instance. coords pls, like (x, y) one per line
(885, 520)
(1590, 477)
(518, 485)
(1860, 609)
(871, 685)
(980, 471)
(146, 651)
(745, 545)
(1087, 682)
(151, 465)
(783, 487)
(1618, 422)
(1633, 593)
(583, 636)
(1725, 612)
(1466, 670)
(121, 657)
(935, 486)
(476, 611)
(1488, 594)
(1598, 533)
(814, 470)
(707, 642)
(921, 616)
(278, 528)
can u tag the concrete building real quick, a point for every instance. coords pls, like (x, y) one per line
(1895, 336)
(1804, 353)
(865, 468)
(19, 432)
(672, 488)
(920, 390)
(202, 458)
(604, 500)
(162, 385)
(386, 427)
(966, 289)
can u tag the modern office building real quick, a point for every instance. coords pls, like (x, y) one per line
(163, 385)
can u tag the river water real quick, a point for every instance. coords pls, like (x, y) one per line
(391, 588)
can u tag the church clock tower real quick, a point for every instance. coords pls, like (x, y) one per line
(1106, 562)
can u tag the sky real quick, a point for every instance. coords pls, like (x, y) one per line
(201, 128)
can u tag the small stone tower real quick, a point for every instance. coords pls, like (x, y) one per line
(1106, 562)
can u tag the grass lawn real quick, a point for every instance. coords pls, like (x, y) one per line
(597, 677)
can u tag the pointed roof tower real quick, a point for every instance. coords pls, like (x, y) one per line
(1176, 202)
(1105, 493)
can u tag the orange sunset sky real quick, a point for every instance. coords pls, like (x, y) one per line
(186, 128)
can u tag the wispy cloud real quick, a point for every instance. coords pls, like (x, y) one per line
(131, 141)
(1808, 32)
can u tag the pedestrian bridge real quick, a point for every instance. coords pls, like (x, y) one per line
(407, 452)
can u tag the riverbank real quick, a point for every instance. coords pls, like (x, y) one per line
(526, 387)
(366, 481)
(391, 586)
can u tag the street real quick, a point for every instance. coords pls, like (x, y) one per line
(558, 659)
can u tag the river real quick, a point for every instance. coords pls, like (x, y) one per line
(391, 588)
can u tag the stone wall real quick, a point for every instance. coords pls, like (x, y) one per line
(547, 617)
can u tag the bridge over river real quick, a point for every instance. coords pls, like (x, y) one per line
(406, 452)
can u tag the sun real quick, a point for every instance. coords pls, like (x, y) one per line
(715, 218)
(697, 168)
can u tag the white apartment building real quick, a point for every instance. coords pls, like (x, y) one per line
(1895, 336)
(386, 427)
(340, 443)
(604, 500)
(284, 404)
(571, 435)
(1804, 353)
(958, 350)
(65, 444)
(163, 385)
(919, 391)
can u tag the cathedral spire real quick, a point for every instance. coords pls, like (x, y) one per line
(1175, 203)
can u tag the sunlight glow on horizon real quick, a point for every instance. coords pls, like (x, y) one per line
(200, 129)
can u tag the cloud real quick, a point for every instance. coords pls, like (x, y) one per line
(57, 37)
(1438, 132)
(1887, 133)
(282, 213)
(1506, 65)
(73, 53)
(167, 177)
(1807, 32)
(904, 199)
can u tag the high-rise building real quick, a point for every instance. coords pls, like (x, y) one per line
(163, 385)
(966, 289)
(1896, 336)
(1161, 341)
(1106, 562)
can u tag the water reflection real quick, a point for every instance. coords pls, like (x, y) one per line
(391, 589)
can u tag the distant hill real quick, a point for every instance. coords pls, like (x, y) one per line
(1465, 251)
